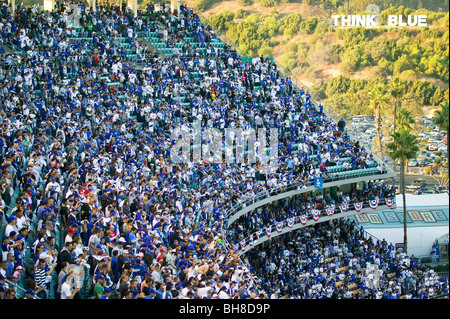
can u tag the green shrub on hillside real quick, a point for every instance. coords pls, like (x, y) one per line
(222, 20)
(289, 61)
(203, 5)
(246, 2)
(309, 26)
(240, 14)
(268, 3)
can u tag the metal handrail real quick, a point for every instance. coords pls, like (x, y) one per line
(328, 110)
(16, 286)
(366, 233)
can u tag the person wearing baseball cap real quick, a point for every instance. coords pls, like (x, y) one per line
(3, 292)
(151, 294)
(70, 233)
(11, 226)
(106, 293)
(30, 294)
(99, 286)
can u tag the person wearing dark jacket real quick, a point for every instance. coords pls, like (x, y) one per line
(64, 255)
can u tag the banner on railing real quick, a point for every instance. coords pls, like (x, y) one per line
(343, 208)
(318, 182)
(280, 227)
(268, 230)
(358, 206)
(329, 211)
(315, 214)
(373, 203)
(290, 222)
(303, 219)
(258, 233)
(389, 202)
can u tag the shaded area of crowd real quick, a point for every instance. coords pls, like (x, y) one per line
(338, 260)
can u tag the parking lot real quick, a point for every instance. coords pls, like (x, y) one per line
(432, 142)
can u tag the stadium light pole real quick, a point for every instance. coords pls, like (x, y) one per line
(175, 5)
(133, 5)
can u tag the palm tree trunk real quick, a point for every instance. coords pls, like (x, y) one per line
(377, 126)
(403, 190)
(448, 153)
(395, 116)
(395, 121)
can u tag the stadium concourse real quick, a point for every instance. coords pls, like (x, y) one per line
(93, 207)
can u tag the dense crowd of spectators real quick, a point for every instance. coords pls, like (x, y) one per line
(338, 260)
(92, 206)
(306, 204)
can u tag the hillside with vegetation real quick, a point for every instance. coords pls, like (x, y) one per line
(342, 65)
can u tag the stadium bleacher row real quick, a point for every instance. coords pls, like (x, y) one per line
(122, 128)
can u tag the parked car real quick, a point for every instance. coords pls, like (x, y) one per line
(420, 182)
(412, 190)
(440, 189)
(422, 163)
(413, 163)
(424, 191)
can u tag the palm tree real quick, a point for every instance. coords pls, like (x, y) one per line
(405, 120)
(396, 90)
(378, 100)
(441, 119)
(403, 147)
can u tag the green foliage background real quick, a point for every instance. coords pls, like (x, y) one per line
(418, 56)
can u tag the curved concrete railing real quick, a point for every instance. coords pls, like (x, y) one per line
(276, 194)
(296, 222)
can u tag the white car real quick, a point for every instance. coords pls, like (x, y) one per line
(413, 163)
